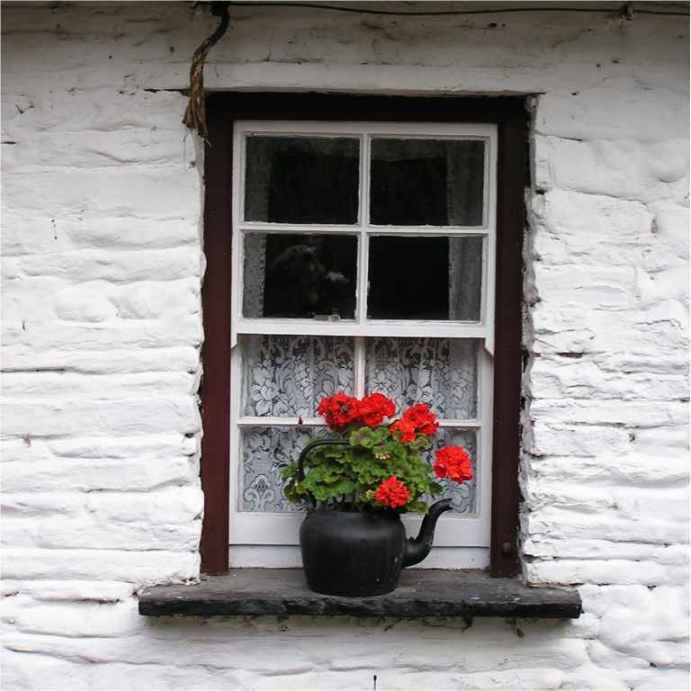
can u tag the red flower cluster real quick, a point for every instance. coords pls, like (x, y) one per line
(418, 419)
(423, 418)
(374, 408)
(454, 463)
(338, 410)
(404, 430)
(392, 493)
(341, 410)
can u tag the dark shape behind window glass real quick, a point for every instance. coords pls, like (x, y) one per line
(425, 278)
(300, 276)
(427, 182)
(408, 278)
(302, 180)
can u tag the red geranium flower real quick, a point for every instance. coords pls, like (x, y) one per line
(404, 429)
(338, 410)
(392, 493)
(374, 408)
(453, 462)
(422, 418)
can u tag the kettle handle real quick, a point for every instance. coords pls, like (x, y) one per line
(310, 447)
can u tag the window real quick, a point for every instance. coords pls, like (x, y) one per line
(362, 257)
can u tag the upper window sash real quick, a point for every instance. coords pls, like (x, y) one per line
(363, 229)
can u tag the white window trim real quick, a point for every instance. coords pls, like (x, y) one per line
(266, 539)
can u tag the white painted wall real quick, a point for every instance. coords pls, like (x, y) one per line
(102, 266)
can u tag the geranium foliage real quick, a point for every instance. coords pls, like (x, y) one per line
(380, 462)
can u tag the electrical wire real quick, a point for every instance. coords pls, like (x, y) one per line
(626, 11)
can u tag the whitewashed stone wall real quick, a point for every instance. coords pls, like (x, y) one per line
(102, 263)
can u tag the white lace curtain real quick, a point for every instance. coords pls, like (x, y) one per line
(286, 376)
(465, 262)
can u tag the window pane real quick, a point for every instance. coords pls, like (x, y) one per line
(427, 182)
(286, 376)
(425, 278)
(463, 497)
(308, 276)
(302, 180)
(265, 451)
(441, 372)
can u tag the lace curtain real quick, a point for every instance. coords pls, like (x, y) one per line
(465, 254)
(286, 376)
(265, 452)
(437, 371)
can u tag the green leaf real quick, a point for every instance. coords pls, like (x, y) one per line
(349, 475)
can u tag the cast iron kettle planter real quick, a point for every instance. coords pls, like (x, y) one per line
(360, 553)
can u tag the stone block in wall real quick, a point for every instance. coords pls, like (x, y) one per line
(138, 567)
(616, 109)
(126, 416)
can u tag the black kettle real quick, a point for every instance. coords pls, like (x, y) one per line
(360, 553)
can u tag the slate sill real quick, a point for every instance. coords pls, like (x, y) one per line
(422, 593)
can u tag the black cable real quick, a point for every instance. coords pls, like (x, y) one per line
(447, 13)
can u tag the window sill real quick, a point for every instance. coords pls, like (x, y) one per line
(422, 593)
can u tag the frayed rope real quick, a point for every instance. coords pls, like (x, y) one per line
(195, 113)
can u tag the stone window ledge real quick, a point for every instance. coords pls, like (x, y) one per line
(422, 593)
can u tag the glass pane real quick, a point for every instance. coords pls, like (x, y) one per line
(425, 278)
(427, 182)
(309, 276)
(302, 180)
(265, 451)
(463, 497)
(441, 372)
(286, 376)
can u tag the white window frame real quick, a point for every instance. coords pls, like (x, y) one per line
(270, 539)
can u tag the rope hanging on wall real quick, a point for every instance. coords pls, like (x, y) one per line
(195, 113)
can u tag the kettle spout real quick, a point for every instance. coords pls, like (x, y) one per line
(416, 549)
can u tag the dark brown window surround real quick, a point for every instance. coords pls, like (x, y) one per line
(510, 114)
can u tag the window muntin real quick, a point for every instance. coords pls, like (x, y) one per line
(444, 339)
